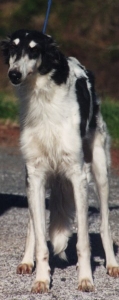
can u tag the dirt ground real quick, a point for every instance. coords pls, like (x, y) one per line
(9, 137)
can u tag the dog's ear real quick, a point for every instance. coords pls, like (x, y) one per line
(52, 50)
(5, 49)
(50, 46)
(50, 55)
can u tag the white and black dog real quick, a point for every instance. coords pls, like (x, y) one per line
(63, 138)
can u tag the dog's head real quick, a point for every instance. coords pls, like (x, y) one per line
(28, 52)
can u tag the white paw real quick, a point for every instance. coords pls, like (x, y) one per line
(40, 287)
(86, 286)
(24, 269)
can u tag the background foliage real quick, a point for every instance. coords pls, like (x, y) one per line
(86, 29)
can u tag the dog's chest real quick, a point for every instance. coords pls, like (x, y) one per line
(52, 130)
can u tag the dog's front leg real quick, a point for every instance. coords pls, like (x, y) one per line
(27, 263)
(36, 202)
(79, 182)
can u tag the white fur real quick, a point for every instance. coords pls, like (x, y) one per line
(32, 44)
(16, 41)
(24, 65)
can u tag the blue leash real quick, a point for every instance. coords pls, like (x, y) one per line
(47, 15)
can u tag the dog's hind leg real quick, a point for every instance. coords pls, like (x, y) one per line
(27, 263)
(100, 171)
(77, 176)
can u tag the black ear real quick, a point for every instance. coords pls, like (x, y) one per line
(51, 47)
(50, 55)
(5, 49)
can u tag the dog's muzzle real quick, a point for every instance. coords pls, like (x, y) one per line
(15, 76)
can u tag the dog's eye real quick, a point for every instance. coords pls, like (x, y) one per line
(13, 47)
(34, 52)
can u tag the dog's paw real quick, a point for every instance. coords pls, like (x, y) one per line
(40, 287)
(24, 269)
(86, 286)
(113, 271)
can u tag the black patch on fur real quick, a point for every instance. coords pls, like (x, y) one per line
(25, 37)
(93, 121)
(83, 98)
(61, 72)
(53, 59)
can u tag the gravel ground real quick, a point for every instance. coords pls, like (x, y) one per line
(13, 225)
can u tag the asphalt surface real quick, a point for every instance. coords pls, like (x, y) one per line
(13, 226)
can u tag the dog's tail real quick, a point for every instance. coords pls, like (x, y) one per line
(62, 212)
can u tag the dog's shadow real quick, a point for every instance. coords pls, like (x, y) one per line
(97, 251)
(9, 201)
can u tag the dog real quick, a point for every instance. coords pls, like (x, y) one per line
(63, 139)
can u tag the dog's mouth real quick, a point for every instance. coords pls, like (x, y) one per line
(30, 73)
(16, 83)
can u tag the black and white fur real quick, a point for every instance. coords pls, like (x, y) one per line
(63, 139)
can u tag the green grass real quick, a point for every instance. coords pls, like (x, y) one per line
(110, 111)
(8, 107)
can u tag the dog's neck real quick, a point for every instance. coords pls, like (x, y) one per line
(34, 84)
(34, 95)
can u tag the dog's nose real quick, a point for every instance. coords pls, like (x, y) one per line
(15, 76)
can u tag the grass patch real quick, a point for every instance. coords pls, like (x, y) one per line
(8, 107)
(110, 112)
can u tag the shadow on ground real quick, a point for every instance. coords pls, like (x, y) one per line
(8, 201)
